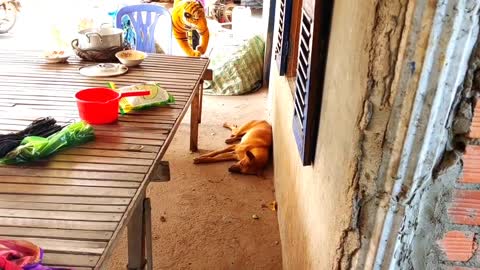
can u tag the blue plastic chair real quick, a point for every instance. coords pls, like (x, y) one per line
(144, 20)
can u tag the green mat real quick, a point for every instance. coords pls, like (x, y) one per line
(237, 70)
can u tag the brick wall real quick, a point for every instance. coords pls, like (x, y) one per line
(460, 240)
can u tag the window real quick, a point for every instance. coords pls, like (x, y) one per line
(301, 56)
(294, 40)
(281, 50)
(288, 32)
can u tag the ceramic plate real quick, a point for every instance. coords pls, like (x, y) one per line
(103, 70)
(56, 60)
(53, 57)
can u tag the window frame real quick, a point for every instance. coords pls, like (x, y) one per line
(308, 96)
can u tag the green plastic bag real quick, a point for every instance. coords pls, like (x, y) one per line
(158, 97)
(34, 148)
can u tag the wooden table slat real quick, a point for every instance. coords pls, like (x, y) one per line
(61, 245)
(44, 92)
(76, 268)
(103, 160)
(67, 181)
(65, 190)
(158, 142)
(12, 171)
(109, 153)
(94, 167)
(55, 233)
(131, 134)
(78, 84)
(59, 224)
(63, 207)
(41, 100)
(171, 87)
(62, 199)
(121, 146)
(60, 215)
(52, 258)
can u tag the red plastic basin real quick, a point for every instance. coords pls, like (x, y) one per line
(100, 105)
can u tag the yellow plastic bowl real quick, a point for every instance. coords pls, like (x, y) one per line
(131, 58)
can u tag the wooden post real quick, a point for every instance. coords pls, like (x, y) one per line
(195, 109)
(208, 76)
(147, 223)
(200, 102)
(136, 238)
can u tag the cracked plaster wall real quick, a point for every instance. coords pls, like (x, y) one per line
(389, 64)
(450, 28)
(434, 222)
(324, 209)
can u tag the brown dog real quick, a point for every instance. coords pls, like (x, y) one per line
(252, 152)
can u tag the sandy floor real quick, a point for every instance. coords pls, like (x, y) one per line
(208, 211)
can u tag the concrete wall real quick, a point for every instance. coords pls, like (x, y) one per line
(315, 203)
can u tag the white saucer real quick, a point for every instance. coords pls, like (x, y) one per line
(56, 60)
(103, 70)
(53, 57)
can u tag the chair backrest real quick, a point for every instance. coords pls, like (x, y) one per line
(144, 20)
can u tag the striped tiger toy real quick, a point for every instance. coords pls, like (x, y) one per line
(189, 16)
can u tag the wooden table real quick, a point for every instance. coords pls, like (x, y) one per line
(75, 204)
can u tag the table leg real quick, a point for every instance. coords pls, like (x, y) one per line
(147, 221)
(195, 108)
(136, 238)
(200, 103)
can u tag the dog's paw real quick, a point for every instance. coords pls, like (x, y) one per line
(229, 125)
(231, 140)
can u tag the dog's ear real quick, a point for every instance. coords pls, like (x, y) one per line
(250, 155)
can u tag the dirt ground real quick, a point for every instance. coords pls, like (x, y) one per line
(208, 211)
